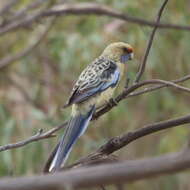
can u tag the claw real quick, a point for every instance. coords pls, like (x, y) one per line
(127, 83)
(112, 102)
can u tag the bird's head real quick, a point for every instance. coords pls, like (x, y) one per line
(118, 52)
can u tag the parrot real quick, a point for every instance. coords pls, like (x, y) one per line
(93, 89)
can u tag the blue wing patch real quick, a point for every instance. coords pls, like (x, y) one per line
(113, 82)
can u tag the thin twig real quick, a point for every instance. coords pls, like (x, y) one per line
(38, 136)
(143, 64)
(167, 83)
(156, 87)
(131, 89)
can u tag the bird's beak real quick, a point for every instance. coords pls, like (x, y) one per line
(131, 55)
(126, 57)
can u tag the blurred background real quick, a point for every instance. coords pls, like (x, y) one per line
(34, 87)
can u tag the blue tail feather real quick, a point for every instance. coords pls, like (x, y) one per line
(75, 128)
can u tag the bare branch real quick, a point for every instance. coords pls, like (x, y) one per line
(105, 174)
(49, 133)
(167, 83)
(156, 87)
(38, 136)
(132, 88)
(118, 142)
(86, 9)
(143, 64)
(121, 141)
(103, 10)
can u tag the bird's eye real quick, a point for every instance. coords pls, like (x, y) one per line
(127, 50)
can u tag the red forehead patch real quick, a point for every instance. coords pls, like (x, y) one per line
(130, 49)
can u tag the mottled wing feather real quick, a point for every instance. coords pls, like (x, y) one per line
(90, 77)
(98, 76)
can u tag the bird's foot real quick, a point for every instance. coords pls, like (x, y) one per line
(112, 102)
(127, 83)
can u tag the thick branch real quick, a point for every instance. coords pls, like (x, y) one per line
(106, 174)
(119, 142)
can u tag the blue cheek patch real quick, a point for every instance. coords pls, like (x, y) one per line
(125, 58)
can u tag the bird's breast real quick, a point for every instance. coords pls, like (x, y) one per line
(104, 97)
(121, 67)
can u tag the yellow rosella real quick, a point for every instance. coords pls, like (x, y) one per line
(93, 89)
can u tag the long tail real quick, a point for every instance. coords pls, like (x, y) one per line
(75, 128)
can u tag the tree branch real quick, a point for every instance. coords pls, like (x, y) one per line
(132, 88)
(105, 174)
(118, 142)
(126, 93)
(38, 136)
(121, 141)
(103, 10)
(86, 9)
(149, 45)
(156, 87)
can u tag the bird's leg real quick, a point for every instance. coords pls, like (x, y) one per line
(127, 82)
(112, 102)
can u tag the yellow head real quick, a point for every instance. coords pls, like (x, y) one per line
(118, 52)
